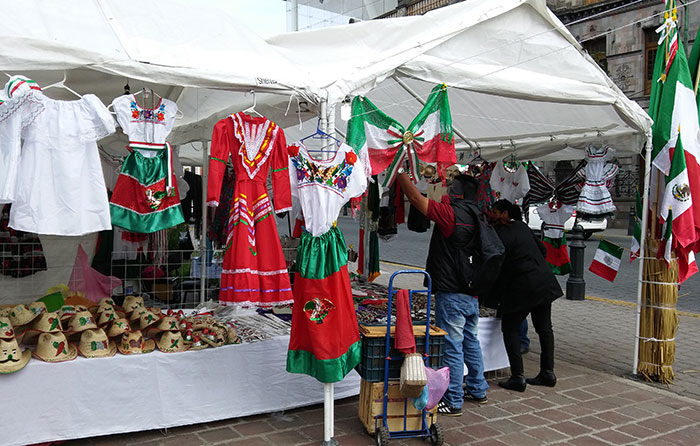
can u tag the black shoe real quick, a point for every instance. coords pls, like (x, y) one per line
(524, 350)
(450, 411)
(516, 383)
(469, 397)
(544, 378)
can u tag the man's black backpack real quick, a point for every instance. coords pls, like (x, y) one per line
(487, 258)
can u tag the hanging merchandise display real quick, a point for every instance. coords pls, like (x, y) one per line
(325, 341)
(542, 189)
(19, 106)
(217, 228)
(146, 197)
(60, 186)
(429, 137)
(595, 201)
(254, 273)
(554, 214)
(485, 196)
(509, 180)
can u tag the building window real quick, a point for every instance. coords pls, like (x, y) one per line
(597, 50)
(650, 46)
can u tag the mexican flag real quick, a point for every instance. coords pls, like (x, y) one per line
(677, 203)
(429, 137)
(674, 110)
(607, 260)
(636, 239)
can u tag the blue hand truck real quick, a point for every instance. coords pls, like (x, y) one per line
(382, 433)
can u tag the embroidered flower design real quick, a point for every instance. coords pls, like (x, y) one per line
(317, 309)
(293, 150)
(350, 157)
(154, 198)
(341, 182)
(135, 114)
(160, 116)
(301, 174)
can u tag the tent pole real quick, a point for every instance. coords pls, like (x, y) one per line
(415, 95)
(640, 273)
(203, 235)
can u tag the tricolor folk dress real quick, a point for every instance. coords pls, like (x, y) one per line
(254, 271)
(553, 236)
(325, 341)
(145, 197)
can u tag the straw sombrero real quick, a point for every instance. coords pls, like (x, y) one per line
(37, 308)
(21, 315)
(12, 359)
(101, 305)
(105, 318)
(82, 321)
(6, 329)
(132, 302)
(214, 336)
(171, 342)
(5, 310)
(45, 323)
(133, 344)
(118, 328)
(96, 344)
(147, 319)
(136, 313)
(66, 312)
(167, 323)
(54, 347)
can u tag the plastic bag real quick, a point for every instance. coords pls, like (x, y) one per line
(422, 401)
(438, 380)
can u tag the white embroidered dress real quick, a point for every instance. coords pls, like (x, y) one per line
(509, 185)
(61, 188)
(324, 186)
(595, 199)
(19, 106)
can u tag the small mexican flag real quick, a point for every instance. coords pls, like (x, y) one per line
(607, 260)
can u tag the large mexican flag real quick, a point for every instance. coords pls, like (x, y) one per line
(429, 137)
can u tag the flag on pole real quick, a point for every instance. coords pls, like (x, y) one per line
(429, 137)
(677, 202)
(607, 260)
(694, 65)
(674, 110)
(637, 238)
(667, 240)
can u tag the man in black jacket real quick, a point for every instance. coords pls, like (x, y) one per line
(456, 309)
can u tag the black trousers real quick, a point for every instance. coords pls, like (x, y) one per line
(542, 320)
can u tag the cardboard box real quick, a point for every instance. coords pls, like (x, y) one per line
(371, 406)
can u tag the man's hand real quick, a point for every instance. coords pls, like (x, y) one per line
(414, 196)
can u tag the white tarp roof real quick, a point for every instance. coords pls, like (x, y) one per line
(515, 74)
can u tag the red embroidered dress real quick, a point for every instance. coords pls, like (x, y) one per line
(254, 270)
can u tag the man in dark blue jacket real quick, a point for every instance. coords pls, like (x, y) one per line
(452, 248)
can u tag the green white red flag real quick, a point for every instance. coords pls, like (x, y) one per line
(429, 137)
(607, 260)
(674, 110)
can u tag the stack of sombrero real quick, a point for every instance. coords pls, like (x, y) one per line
(167, 333)
(22, 315)
(46, 322)
(12, 358)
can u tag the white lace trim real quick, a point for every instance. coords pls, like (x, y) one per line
(252, 138)
(255, 271)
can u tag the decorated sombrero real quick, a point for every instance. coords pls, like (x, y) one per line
(118, 327)
(132, 302)
(96, 344)
(168, 323)
(82, 321)
(54, 347)
(12, 358)
(147, 319)
(6, 329)
(45, 323)
(133, 344)
(105, 318)
(197, 343)
(171, 342)
(21, 315)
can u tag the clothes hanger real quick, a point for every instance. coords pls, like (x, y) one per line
(319, 134)
(251, 109)
(62, 84)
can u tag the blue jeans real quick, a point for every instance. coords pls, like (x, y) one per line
(458, 315)
(524, 340)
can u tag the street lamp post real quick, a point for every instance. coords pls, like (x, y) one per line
(575, 285)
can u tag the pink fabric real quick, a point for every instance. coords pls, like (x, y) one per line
(92, 283)
(404, 340)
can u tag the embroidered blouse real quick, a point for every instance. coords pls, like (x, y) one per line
(145, 125)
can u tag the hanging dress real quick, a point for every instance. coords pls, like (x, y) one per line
(325, 341)
(60, 186)
(19, 106)
(254, 270)
(509, 184)
(553, 236)
(595, 201)
(146, 197)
